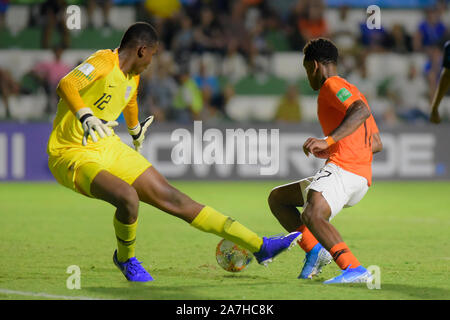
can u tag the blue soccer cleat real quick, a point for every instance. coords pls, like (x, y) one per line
(273, 246)
(132, 269)
(314, 261)
(352, 275)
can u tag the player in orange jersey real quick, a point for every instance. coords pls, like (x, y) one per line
(351, 137)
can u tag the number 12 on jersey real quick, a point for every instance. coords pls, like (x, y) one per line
(104, 99)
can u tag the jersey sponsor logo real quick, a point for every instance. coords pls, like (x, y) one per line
(343, 94)
(86, 69)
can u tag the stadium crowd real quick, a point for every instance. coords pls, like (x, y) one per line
(230, 40)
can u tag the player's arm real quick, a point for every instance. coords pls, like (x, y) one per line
(131, 111)
(94, 68)
(69, 89)
(377, 145)
(136, 129)
(356, 114)
(443, 85)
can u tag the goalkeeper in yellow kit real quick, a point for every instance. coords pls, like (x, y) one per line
(86, 155)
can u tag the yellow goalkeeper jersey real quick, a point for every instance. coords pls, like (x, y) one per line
(97, 83)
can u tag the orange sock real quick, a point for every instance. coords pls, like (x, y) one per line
(343, 256)
(308, 241)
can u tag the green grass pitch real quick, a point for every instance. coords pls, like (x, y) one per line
(402, 227)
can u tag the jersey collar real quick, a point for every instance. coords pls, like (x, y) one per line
(116, 62)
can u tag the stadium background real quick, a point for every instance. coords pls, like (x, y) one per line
(232, 64)
(243, 66)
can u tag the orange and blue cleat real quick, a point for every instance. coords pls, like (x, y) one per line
(314, 261)
(352, 275)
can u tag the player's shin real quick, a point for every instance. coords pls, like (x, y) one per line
(126, 239)
(343, 257)
(212, 221)
(308, 240)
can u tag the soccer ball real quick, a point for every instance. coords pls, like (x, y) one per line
(232, 257)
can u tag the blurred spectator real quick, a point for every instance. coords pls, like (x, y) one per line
(234, 28)
(252, 15)
(212, 113)
(258, 39)
(345, 32)
(8, 88)
(259, 54)
(297, 12)
(188, 102)
(208, 36)
(373, 39)
(105, 6)
(409, 96)
(4, 4)
(166, 29)
(53, 14)
(192, 8)
(431, 31)
(258, 65)
(49, 74)
(433, 67)
(160, 88)
(400, 41)
(313, 24)
(234, 66)
(210, 88)
(289, 109)
(206, 80)
(183, 41)
(360, 78)
(263, 6)
(276, 32)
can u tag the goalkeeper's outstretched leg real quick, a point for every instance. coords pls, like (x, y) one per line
(155, 190)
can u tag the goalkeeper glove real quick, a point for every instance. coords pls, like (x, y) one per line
(138, 133)
(93, 125)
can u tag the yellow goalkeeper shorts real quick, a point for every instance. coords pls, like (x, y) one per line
(76, 167)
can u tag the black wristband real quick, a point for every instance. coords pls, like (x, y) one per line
(84, 117)
(135, 136)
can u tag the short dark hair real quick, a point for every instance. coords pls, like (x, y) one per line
(139, 34)
(322, 50)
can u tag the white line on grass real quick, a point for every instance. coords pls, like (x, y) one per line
(46, 295)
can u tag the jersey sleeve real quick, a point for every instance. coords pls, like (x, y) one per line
(446, 58)
(341, 95)
(373, 125)
(95, 67)
(131, 111)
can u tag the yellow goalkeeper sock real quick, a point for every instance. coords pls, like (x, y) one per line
(126, 239)
(212, 221)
